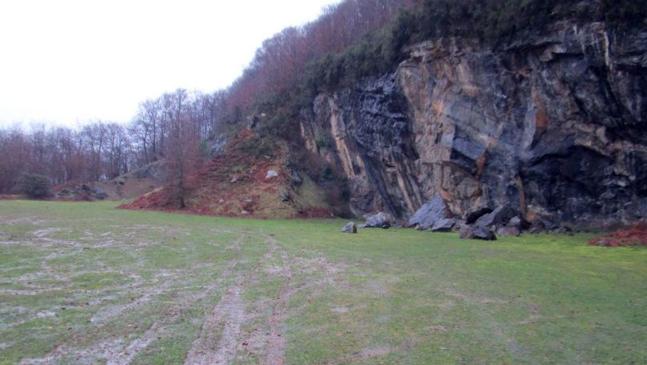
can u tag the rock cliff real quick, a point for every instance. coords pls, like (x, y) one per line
(552, 124)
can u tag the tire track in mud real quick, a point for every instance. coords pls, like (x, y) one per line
(229, 311)
(216, 346)
(136, 346)
(267, 344)
(127, 354)
(275, 351)
(213, 347)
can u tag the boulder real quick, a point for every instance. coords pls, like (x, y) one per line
(157, 171)
(379, 220)
(563, 230)
(271, 174)
(497, 218)
(537, 226)
(218, 145)
(100, 194)
(542, 224)
(444, 225)
(350, 227)
(515, 222)
(295, 178)
(477, 232)
(284, 195)
(472, 215)
(509, 231)
(430, 213)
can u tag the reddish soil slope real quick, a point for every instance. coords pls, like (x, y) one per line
(237, 184)
(635, 235)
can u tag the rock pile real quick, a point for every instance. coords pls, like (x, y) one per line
(502, 221)
(81, 192)
(435, 216)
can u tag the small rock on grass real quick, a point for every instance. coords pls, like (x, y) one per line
(350, 227)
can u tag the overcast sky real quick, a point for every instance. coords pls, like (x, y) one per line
(69, 61)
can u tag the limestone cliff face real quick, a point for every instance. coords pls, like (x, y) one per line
(553, 124)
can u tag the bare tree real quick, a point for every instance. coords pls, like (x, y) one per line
(182, 147)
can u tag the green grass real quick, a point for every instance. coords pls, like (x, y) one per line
(80, 282)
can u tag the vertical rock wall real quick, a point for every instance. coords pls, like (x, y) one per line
(552, 124)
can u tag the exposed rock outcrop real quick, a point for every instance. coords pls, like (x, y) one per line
(551, 125)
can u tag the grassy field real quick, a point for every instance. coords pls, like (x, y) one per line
(87, 283)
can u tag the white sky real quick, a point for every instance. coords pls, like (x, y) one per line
(66, 62)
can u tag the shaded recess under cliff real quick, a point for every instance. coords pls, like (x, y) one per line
(553, 124)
